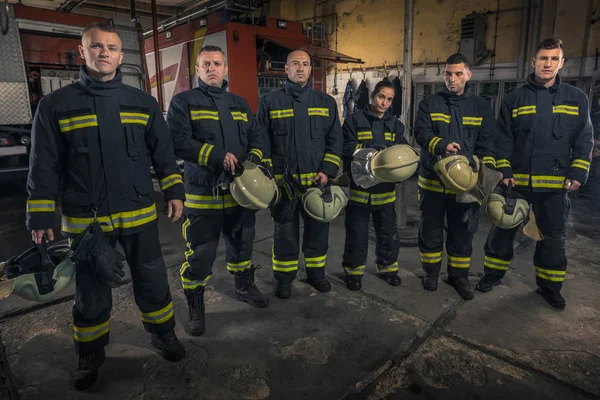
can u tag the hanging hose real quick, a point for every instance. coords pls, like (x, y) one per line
(4, 18)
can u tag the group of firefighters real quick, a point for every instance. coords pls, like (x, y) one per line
(91, 140)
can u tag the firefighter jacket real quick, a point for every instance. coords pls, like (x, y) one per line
(544, 136)
(304, 131)
(207, 123)
(96, 138)
(444, 118)
(347, 100)
(361, 96)
(364, 129)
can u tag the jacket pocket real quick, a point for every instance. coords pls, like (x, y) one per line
(135, 140)
(143, 187)
(318, 127)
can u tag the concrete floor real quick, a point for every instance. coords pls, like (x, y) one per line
(379, 343)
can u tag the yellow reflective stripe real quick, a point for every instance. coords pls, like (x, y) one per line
(287, 113)
(358, 146)
(189, 284)
(305, 179)
(433, 185)
(503, 163)
(267, 160)
(40, 206)
(204, 153)
(134, 118)
(239, 116)
(431, 258)
(355, 271)
(489, 160)
(550, 275)
(364, 135)
(184, 226)
(196, 115)
(564, 109)
(160, 316)
(440, 117)
(390, 268)
(91, 333)
(496, 263)
(459, 262)
(579, 163)
(521, 179)
(315, 262)
(359, 196)
(284, 266)
(170, 180)
(523, 110)
(84, 121)
(332, 158)
(388, 136)
(122, 220)
(256, 152)
(209, 202)
(475, 121)
(378, 199)
(547, 181)
(318, 112)
(239, 266)
(432, 143)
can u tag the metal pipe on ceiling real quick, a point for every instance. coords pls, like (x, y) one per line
(186, 17)
(158, 74)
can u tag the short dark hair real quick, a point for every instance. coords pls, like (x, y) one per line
(386, 83)
(458, 58)
(101, 26)
(549, 44)
(210, 48)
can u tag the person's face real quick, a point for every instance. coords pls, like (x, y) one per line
(547, 63)
(456, 77)
(382, 100)
(102, 53)
(298, 67)
(211, 68)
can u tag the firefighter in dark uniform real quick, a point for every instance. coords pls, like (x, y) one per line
(450, 122)
(306, 142)
(214, 132)
(372, 127)
(544, 151)
(95, 136)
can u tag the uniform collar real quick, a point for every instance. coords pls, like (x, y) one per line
(213, 91)
(296, 90)
(538, 86)
(99, 87)
(448, 95)
(369, 114)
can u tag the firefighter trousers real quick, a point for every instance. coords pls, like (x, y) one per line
(286, 220)
(93, 298)
(201, 234)
(550, 261)
(357, 239)
(461, 225)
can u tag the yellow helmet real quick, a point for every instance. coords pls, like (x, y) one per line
(324, 204)
(456, 173)
(395, 164)
(254, 188)
(507, 213)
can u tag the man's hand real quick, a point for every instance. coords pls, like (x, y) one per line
(452, 148)
(38, 235)
(508, 181)
(230, 162)
(572, 185)
(321, 177)
(175, 209)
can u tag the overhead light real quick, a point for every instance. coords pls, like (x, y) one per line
(169, 34)
(203, 22)
(282, 24)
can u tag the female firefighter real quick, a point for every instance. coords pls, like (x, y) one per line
(373, 127)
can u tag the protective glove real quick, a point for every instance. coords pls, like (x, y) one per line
(371, 144)
(253, 158)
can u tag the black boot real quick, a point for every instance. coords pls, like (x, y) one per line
(430, 281)
(170, 347)
(284, 290)
(195, 299)
(246, 290)
(553, 297)
(462, 286)
(354, 282)
(87, 372)
(391, 279)
(321, 284)
(487, 283)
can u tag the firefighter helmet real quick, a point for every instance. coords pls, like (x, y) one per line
(254, 187)
(395, 164)
(456, 173)
(324, 203)
(507, 211)
(38, 274)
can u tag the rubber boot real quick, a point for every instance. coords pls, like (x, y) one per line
(87, 372)
(195, 299)
(432, 273)
(170, 347)
(246, 290)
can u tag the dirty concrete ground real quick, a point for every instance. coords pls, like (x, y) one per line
(379, 343)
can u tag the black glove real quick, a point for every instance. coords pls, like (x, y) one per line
(371, 144)
(253, 158)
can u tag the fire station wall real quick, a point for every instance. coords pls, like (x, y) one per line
(365, 25)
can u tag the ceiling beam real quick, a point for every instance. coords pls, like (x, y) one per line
(142, 9)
